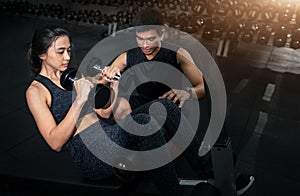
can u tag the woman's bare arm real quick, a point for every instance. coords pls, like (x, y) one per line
(56, 135)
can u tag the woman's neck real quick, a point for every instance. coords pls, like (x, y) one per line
(49, 72)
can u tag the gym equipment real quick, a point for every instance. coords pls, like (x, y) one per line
(224, 179)
(253, 10)
(264, 34)
(219, 26)
(263, 37)
(208, 34)
(286, 13)
(239, 9)
(139, 3)
(233, 33)
(161, 4)
(184, 6)
(101, 96)
(280, 36)
(222, 8)
(248, 35)
(198, 7)
(68, 76)
(101, 93)
(150, 3)
(211, 8)
(268, 14)
(129, 2)
(295, 41)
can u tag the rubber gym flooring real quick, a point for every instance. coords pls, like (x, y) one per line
(263, 115)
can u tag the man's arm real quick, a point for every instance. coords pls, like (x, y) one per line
(117, 66)
(192, 72)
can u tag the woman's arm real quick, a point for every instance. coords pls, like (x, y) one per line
(56, 135)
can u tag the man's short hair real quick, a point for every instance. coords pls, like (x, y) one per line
(148, 19)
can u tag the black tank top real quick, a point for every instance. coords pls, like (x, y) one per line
(149, 91)
(61, 100)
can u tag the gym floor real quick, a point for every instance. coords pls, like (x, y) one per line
(263, 114)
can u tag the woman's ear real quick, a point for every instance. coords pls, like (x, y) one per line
(43, 56)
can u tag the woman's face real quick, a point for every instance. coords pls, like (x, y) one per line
(58, 54)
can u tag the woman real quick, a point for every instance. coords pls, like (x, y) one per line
(57, 116)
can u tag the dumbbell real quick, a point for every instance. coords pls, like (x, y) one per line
(263, 37)
(253, 11)
(268, 13)
(68, 76)
(295, 41)
(233, 32)
(101, 92)
(239, 9)
(286, 13)
(248, 35)
(100, 96)
(280, 36)
(264, 34)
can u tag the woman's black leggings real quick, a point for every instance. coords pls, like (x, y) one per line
(171, 125)
(88, 147)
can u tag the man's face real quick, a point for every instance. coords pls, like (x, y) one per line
(148, 41)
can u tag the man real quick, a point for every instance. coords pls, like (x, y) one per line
(151, 50)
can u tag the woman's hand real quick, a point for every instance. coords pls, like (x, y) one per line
(83, 87)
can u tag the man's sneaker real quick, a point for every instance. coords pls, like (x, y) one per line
(243, 183)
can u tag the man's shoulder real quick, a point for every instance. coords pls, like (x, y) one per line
(170, 46)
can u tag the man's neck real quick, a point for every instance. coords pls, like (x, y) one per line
(153, 54)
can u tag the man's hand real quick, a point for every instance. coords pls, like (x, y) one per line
(177, 95)
(110, 73)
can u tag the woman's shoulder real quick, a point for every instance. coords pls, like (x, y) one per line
(35, 88)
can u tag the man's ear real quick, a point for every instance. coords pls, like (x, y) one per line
(163, 30)
(162, 34)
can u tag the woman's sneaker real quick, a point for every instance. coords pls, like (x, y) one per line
(243, 183)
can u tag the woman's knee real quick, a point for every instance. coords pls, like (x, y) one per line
(169, 104)
(122, 109)
(141, 118)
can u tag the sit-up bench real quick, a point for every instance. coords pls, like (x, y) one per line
(51, 173)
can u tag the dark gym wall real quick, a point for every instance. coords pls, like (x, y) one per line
(64, 2)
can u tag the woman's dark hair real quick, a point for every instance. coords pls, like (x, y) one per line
(148, 19)
(42, 39)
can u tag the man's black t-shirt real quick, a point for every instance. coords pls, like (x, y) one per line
(149, 75)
